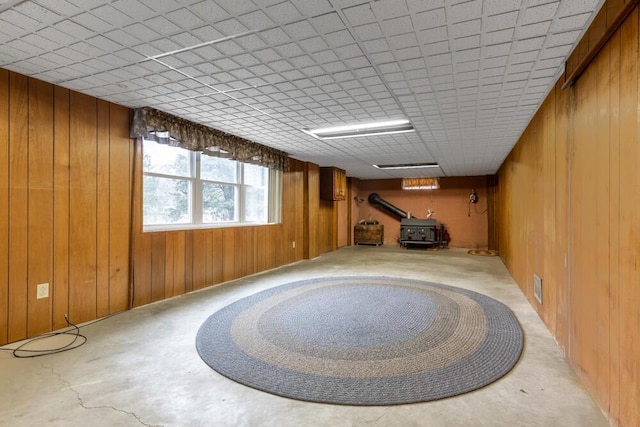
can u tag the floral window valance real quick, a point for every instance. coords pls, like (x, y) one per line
(165, 128)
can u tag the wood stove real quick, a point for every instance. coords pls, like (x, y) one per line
(413, 231)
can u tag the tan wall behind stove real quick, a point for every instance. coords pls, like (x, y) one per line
(467, 224)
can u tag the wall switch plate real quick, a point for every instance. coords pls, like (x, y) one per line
(293, 244)
(537, 287)
(42, 291)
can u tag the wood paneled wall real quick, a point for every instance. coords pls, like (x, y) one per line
(171, 263)
(70, 216)
(65, 191)
(311, 195)
(568, 210)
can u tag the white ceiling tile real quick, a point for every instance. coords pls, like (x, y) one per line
(464, 29)
(18, 19)
(133, 8)
(398, 26)
(429, 19)
(498, 37)
(359, 15)
(533, 30)
(312, 8)
(92, 22)
(539, 13)
(390, 9)
(73, 30)
(113, 15)
(141, 32)
(184, 18)
(577, 7)
(434, 35)
(403, 41)
(369, 31)
(518, 58)
(494, 7)
(327, 23)
(434, 49)
(465, 11)
(466, 55)
(571, 22)
(339, 38)
(465, 43)
(121, 37)
(469, 74)
(236, 7)
(160, 6)
(501, 21)
(300, 30)
(62, 7)
(561, 39)
(37, 12)
(527, 45)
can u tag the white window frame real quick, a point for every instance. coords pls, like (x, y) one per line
(273, 188)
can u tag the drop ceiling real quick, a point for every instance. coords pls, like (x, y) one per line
(469, 75)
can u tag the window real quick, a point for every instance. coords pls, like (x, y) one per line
(183, 188)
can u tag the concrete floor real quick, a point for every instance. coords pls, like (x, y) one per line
(141, 367)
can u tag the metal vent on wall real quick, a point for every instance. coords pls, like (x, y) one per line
(537, 287)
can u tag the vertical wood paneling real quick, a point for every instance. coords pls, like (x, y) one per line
(614, 229)
(60, 293)
(18, 205)
(217, 256)
(142, 270)
(562, 137)
(40, 207)
(228, 249)
(120, 166)
(587, 108)
(188, 272)
(57, 148)
(602, 191)
(82, 211)
(596, 220)
(102, 212)
(312, 198)
(260, 249)
(4, 204)
(158, 260)
(299, 210)
(577, 194)
(209, 258)
(199, 259)
(240, 246)
(250, 243)
(141, 244)
(169, 258)
(629, 255)
(179, 264)
(549, 244)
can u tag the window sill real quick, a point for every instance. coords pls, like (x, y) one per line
(185, 227)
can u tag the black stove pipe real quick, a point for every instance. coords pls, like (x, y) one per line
(375, 199)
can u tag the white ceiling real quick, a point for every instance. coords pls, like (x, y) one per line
(468, 74)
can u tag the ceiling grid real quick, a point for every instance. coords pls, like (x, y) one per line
(468, 74)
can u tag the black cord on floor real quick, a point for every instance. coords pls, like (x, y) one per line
(78, 339)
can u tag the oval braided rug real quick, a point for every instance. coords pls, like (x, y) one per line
(362, 340)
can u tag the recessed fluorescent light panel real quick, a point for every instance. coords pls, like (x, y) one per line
(408, 166)
(362, 129)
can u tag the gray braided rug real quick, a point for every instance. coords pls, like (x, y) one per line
(362, 340)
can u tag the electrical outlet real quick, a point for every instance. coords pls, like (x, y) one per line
(537, 287)
(42, 291)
